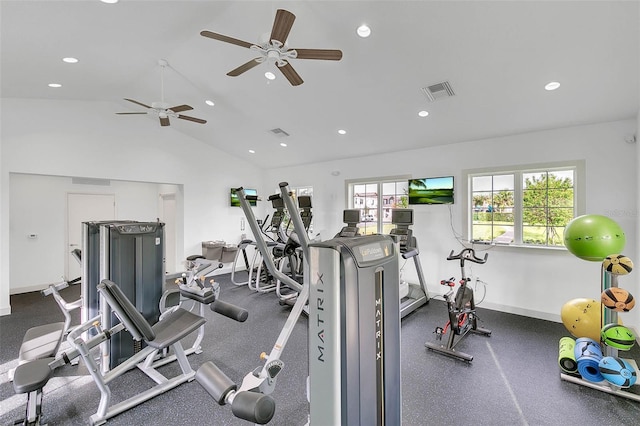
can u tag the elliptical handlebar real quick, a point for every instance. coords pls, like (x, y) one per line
(467, 254)
(248, 197)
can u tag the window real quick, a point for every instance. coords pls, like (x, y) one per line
(305, 211)
(375, 198)
(527, 206)
(302, 190)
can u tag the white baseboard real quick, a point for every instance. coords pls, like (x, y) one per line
(520, 311)
(5, 310)
(509, 309)
(28, 289)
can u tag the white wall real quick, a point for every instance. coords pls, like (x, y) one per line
(636, 317)
(534, 282)
(5, 308)
(86, 139)
(38, 205)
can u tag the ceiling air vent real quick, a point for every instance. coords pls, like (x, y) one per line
(90, 181)
(278, 132)
(438, 90)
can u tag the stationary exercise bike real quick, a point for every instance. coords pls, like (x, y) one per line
(462, 310)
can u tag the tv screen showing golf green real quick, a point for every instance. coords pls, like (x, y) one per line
(234, 197)
(432, 190)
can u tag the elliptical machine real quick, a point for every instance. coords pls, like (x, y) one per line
(351, 217)
(462, 309)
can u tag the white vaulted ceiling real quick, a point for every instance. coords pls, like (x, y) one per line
(497, 56)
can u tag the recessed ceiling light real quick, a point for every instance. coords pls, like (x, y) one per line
(283, 144)
(55, 85)
(342, 132)
(70, 60)
(209, 102)
(423, 113)
(109, 1)
(251, 151)
(364, 31)
(552, 86)
(270, 75)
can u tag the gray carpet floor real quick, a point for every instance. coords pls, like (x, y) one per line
(513, 379)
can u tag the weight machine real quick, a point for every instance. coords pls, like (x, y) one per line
(354, 344)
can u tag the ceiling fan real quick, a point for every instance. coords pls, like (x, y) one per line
(162, 109)
(276, 50)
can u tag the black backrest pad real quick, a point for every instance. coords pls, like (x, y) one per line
(124, 309)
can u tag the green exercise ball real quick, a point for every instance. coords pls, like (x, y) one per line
(593, 237)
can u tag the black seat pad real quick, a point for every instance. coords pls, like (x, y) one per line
(32, 375)
(174, 327)
(41, 341)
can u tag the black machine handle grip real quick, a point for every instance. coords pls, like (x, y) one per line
(254, 407)
(467, 254)
(247, 197)
(411, 252)
(451, 282)
(230, 311)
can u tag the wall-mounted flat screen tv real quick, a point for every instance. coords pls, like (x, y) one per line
(235, 202)
(431, 190)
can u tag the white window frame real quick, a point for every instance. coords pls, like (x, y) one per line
(579, 191)
(379, 181)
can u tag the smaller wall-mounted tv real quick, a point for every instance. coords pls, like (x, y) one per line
(431, 190)
(235, 202)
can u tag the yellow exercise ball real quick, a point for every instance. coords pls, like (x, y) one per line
(581, 317)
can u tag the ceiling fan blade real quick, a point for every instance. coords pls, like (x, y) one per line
(226, 39)
(181, 108)
(291, 74)
(137, 103)
(325, 54)
(282, 25)
(129, 113)
(164, 121)
(243, 68)
(195, 120)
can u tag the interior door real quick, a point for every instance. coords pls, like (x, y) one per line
(84, 208)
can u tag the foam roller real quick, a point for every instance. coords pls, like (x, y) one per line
(566, 355)
(588, 354)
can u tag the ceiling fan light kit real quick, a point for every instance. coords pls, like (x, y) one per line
(275, 50)
(162, 109)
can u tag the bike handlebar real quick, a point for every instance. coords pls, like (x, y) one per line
(467, 254)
